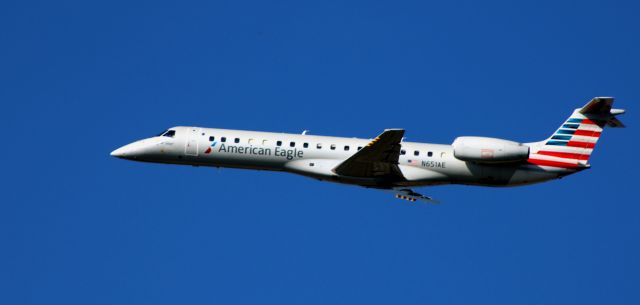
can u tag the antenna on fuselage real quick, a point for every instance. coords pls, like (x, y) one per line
(304, 132)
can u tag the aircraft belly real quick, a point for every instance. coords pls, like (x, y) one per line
(312, 167)
(530, 176)
(247, 160)
(322, 169)
(422, 176)
(502, 175)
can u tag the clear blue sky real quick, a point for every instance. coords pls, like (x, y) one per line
(81, 78)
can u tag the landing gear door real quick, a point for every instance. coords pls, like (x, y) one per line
(191, 145)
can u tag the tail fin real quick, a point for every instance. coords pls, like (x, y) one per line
(572, 144)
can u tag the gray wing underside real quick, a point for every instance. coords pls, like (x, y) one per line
(379, 159)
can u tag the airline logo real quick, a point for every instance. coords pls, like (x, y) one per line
(571, 145)
(210, 148)
(288, 154)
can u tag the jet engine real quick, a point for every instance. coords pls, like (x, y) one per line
(489, 150)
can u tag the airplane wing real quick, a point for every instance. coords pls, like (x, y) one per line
(379, 159)
(410, 195)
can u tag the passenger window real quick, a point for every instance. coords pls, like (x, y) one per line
(319, 146)
(402, 152)
(305, 145)
(346, 147)
(223, 139)
(416, 153)
(264, 142)
(292, 144)
(359, 147)
(279, 143)
(211, 139)
(430, 154)
(250, 141)
(333, 147)
(236, 140)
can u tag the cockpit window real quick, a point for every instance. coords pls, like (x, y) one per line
(169, 133)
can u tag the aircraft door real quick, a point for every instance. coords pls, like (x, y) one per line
(191, 145)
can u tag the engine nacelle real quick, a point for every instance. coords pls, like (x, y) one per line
(489, 150)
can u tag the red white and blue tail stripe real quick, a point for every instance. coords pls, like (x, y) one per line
(572, 144)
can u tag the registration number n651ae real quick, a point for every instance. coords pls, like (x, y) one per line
(434, 164)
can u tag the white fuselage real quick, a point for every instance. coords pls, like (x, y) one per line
(316, 156)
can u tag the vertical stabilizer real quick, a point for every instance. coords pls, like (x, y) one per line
(572, 144)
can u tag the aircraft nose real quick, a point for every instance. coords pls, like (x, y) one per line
(137, 150)
(122, 152)
(133, 150)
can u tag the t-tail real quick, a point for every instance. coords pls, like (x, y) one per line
(572, 144)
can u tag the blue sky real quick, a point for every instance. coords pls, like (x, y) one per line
(80, 79)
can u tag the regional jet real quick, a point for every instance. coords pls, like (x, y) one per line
(387, 162)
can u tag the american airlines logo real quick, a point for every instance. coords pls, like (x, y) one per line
(288, 154)
(209, 149)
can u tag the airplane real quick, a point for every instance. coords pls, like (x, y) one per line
(387, 162)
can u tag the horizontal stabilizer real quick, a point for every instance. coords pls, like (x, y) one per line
(615, 123)
(599, 108)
